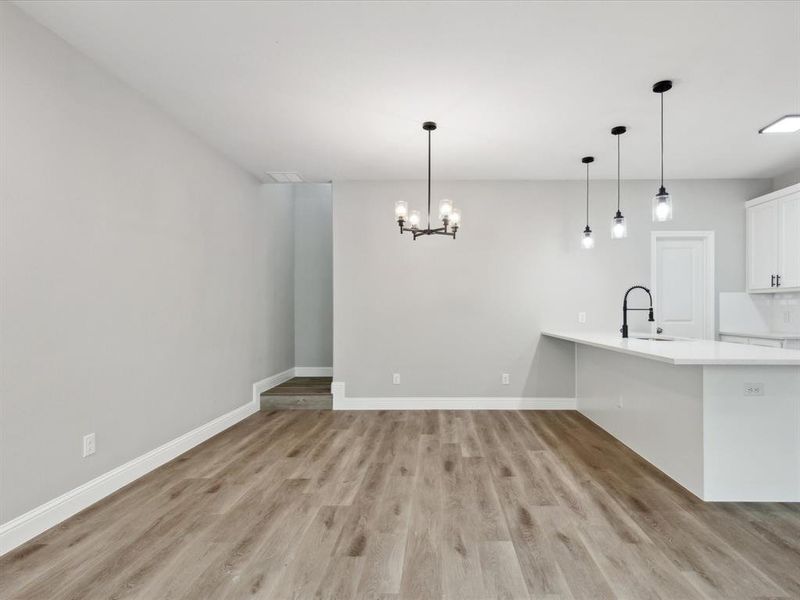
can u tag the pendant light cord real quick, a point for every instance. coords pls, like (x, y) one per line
(587, 194)
(618, 179)
(662, 138)
(429, 179)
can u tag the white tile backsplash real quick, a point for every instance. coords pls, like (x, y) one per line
(759, 313)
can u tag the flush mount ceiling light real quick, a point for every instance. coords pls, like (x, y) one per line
(786, 124)
(587, 241)
(662, 201)
(619, 228)
(449, 215)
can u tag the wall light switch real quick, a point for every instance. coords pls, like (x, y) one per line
(506, 379)
(753, 389)
(88, 444)
(581, 317)
(396, 379)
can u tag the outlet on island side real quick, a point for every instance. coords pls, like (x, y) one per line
(505, 379)
(581, 317)
(88, 444)
(753, 389)
(396, 379)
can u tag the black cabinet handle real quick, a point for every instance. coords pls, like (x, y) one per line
(772, 281)
(777, 281)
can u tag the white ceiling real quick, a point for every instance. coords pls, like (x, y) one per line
(520, 90)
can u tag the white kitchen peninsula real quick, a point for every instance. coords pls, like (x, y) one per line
(721, 419)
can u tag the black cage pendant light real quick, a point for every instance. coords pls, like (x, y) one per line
(587, 241)
(619, 228)
(662, 202)
(448, 214)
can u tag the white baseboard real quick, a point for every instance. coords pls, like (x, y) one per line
(342, 402)
(313, 371)
(27, 526)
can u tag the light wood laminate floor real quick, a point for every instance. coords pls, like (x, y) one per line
(385, 505)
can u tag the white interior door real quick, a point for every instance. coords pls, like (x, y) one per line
(683, 284)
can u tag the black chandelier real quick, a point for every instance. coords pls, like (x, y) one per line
(450, 216)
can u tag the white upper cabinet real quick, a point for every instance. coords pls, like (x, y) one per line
(773, 242)
(789, 252)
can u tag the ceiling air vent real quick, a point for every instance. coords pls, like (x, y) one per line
(285, 177)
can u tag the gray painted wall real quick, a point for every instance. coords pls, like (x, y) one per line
(786, 179)
(313, 275)
(146, 281)
(451, 316)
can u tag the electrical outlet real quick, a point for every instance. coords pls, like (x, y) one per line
(753, 389)
(581, 317)
(396, 379)
(88, 444)
(506, 379)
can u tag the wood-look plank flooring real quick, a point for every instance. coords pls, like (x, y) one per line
(411, 505)
(299, 392)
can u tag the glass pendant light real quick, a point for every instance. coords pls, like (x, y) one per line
(587, 241)
(619, 228)
(662, 201)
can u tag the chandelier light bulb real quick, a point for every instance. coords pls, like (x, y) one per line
(414, 219)
(455, 217)
(445, 209)
(401, 210)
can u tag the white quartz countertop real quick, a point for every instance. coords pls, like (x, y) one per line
(762, 335)
(684, 352)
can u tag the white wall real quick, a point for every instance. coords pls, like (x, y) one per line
(313, 275)
(146, 281)
(786, 179)
(451, 315)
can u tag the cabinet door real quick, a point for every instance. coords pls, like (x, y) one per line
(789, 236)
(762, 245)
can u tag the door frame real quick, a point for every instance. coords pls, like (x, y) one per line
(707, 237)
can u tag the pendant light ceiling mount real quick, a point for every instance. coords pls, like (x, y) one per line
(662, 86)
(448, 214)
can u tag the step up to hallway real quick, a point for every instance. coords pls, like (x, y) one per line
(299, 392)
